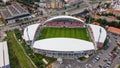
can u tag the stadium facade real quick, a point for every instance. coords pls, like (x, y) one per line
(64, 47)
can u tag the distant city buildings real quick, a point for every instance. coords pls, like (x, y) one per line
(14, 12)
(51, 4)
(58, 3)
(113, 11)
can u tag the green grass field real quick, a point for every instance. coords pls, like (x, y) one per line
(52, 32)
(18, 58)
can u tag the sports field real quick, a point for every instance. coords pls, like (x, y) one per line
(52, 32)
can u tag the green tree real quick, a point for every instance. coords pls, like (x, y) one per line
(8, 3)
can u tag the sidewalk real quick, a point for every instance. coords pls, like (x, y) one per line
(2, 35)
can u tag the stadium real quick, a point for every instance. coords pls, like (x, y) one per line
(64, 37)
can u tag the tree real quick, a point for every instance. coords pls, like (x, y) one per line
(78, 6)
(118, 17)
(37, 0)
(8, 3)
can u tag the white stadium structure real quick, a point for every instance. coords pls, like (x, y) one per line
(64, 47)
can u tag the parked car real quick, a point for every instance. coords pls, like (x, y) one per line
(109, 62)
(100, 66)
(97, 58)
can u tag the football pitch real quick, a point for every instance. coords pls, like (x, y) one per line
(53, 32)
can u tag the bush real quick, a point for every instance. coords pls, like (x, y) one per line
(118, 17)
(82, 58)
(119, 66)
(107, 14)
(18, 34)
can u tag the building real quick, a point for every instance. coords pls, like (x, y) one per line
(51, 5)
(114, 30)
(58, 4)
(95, 16)
(4, 56)
(113, 11)
(115, 4)
(96, 23)
(64, 47)
(14, 13)
(98, 34)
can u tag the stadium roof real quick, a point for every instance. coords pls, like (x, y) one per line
(63, 44)
(64, 17)
(13, 10)
(4, 57)
(96, 33)
(30, 31)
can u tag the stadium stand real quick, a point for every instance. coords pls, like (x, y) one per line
(64, 23)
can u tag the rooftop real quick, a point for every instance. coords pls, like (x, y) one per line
(4, 57)
(113, 10)
(113, 29)
(13, 10)
(99, 33)
(64, 44)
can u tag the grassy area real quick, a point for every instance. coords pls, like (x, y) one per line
(18, 58)
(119, 66)
(93, 2)
(14, 62)
(83, 5)
(82, 58)
(36, 58)
(51, 32)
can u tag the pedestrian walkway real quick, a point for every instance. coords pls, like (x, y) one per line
(2, 35)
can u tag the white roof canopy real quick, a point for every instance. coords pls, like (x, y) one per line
(99, 33)
(69, 17)
(63, 44)
(30, 31)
